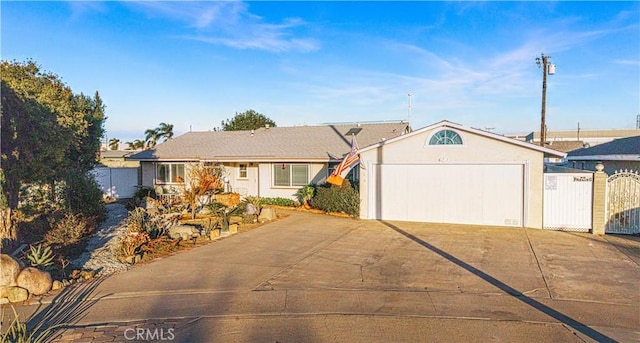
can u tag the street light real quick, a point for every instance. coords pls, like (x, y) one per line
(547, 68)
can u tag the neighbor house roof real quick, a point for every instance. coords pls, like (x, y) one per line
(565, 146)
(622, 149)
(297, 143)
(445, 123)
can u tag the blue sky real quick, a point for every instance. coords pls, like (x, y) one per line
(194, 64)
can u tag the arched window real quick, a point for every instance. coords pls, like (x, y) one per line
(445, 137)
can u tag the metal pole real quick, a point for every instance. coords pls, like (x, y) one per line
(544, 101)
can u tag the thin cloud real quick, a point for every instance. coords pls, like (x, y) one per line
(230, 23)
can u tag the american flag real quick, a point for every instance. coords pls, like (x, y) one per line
(341, 171)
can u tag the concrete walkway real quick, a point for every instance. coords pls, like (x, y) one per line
(317, 278)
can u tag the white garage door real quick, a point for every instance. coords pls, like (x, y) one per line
(464, 194)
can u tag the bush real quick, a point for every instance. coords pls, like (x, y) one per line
(81, 194)
(278, 201)
(331, 198)
(67, 229)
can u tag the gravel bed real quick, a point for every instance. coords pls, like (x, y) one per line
(100, 253)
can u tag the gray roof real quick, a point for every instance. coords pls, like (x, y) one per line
(298, 143)
(618, 149)
(565, 146)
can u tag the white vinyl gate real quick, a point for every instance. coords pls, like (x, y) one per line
(568, 199)
(623, 203)
(117, 182)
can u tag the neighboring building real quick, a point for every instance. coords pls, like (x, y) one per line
(267, 162)
(589, 138)
(619, 154)
(117, 159)
(448, 173)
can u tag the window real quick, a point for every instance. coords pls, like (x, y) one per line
(445, 137)
(242, 171)
(290, 175)
(170, 173)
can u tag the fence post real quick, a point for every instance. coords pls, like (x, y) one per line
(599, 200)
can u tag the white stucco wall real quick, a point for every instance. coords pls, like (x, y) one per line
(477, 149)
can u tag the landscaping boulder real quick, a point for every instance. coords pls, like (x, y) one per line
(235, 220)
(56, 285)
(184, 232)
(233, 228)
(17, 294)
(34, 280)
(4, 291)
(9, 270)
(267, 214)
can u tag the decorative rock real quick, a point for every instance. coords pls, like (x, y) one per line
(215, 233)
(235, 220)
(267, 213)
(250, 210)
(34, 280)
(233, 228)
(87, 274)
(65, 283)
(184, 232)
(4, 291)
(56, 285)
(9, 270)
(4, 301)
(17, 294)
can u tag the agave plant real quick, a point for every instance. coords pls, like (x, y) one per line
(40, 257)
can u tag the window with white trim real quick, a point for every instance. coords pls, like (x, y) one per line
(169, 173)
(242, 171)
(290, 175)
(445, 137)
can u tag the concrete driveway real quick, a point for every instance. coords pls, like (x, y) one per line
(317, 278)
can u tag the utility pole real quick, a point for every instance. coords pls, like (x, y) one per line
(550, 69)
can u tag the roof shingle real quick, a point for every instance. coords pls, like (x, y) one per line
(323, 142)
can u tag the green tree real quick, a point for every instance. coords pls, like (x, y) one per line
(136, 144)
(153, 136)
(248, 120)
(48, 132)
(114, 143)
(165, 131)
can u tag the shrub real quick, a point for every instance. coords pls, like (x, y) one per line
(278, 201)
(306, 193)
(331, 198)
(81, 194)
(144, 191)
(68, 229)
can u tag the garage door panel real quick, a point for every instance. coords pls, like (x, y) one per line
(506, 187)
(426, 192)
(465, 194)
(392, 187)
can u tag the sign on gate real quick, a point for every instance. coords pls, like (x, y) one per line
(623, 203)
(568, 199)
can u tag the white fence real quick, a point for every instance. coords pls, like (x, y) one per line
(117, 182)
(568, 201)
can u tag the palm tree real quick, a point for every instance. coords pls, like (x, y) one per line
(165, 131)
(136, 144)
(114, 143)
(151, 137)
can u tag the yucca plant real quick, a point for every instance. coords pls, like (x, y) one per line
(40, 257)
(18, 332)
